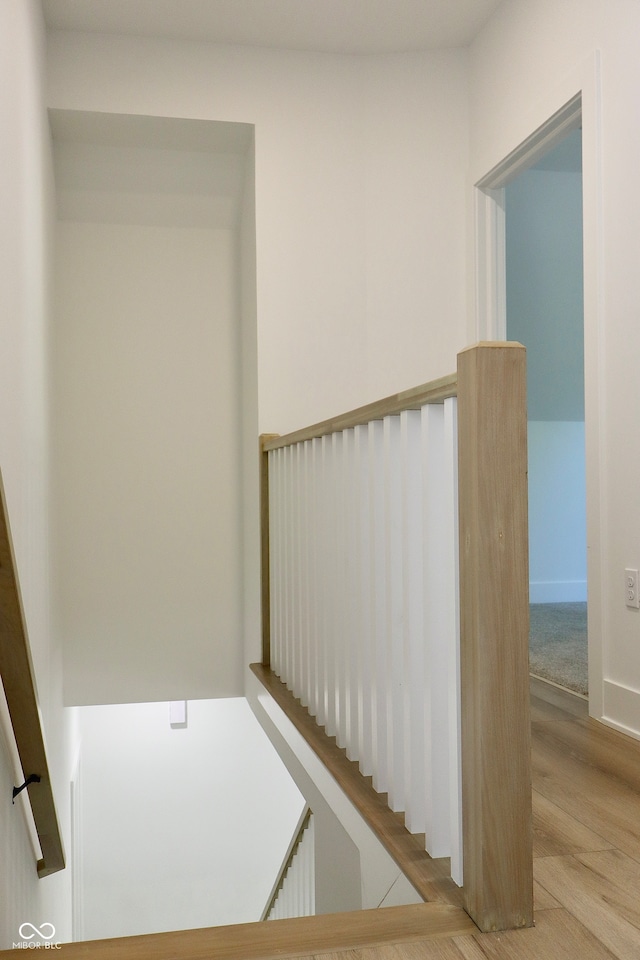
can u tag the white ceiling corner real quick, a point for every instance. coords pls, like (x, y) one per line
(330, 26)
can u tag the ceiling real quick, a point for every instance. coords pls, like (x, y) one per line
(332, 26)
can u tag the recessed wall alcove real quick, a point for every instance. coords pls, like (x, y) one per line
(153, 388)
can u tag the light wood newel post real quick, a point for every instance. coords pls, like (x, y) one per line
(265, 578)
(494, 636)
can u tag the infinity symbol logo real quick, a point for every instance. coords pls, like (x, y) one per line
(37, 932)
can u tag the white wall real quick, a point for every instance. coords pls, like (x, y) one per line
(353, 293)
(182, 827)
(146, 462)
(251, 599)
(359, 161)
(529, 60)
(557, 519)
(26, 199)
(415, 162)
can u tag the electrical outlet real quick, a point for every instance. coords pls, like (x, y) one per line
(632, 598)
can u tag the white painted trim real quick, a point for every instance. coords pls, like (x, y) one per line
(547, 135)
(559, 110)
(594, 370)
(621, 708)
(491, 287)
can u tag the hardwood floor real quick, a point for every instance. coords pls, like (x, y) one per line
(586, 804)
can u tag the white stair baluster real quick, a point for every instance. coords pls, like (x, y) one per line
(393, 549)
(451, 561)
(351, 611)
(314, 449)
(320, 581)
(329, 576)
(294, 599)
(363, 634)
(339, 588)
(413, 623)
(287, 529)
(312, 867)
(378, 561)
(296, 582)
(436, 586)
(304, 573)
(295, 570)
(295, 885)
(275, 559)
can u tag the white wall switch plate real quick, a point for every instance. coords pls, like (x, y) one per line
(632, 598)
(178, 713)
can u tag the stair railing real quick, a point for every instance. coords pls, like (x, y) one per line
(293, 893)
(16, 673)
(395, 608)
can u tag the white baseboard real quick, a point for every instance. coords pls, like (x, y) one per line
(621, 708)
(557, 591)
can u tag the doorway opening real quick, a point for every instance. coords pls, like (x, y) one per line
(545, 312)
(531, 205)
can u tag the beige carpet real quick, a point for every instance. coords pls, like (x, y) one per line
(558, 644)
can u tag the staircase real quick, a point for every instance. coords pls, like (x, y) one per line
(323, 690)
(281, 939)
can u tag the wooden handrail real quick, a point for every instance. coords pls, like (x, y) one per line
(16, 671)
(435, 391)
(493, 556)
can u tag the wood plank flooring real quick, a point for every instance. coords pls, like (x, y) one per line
(586, 811)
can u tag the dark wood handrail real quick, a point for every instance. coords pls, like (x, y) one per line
(16, 671)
